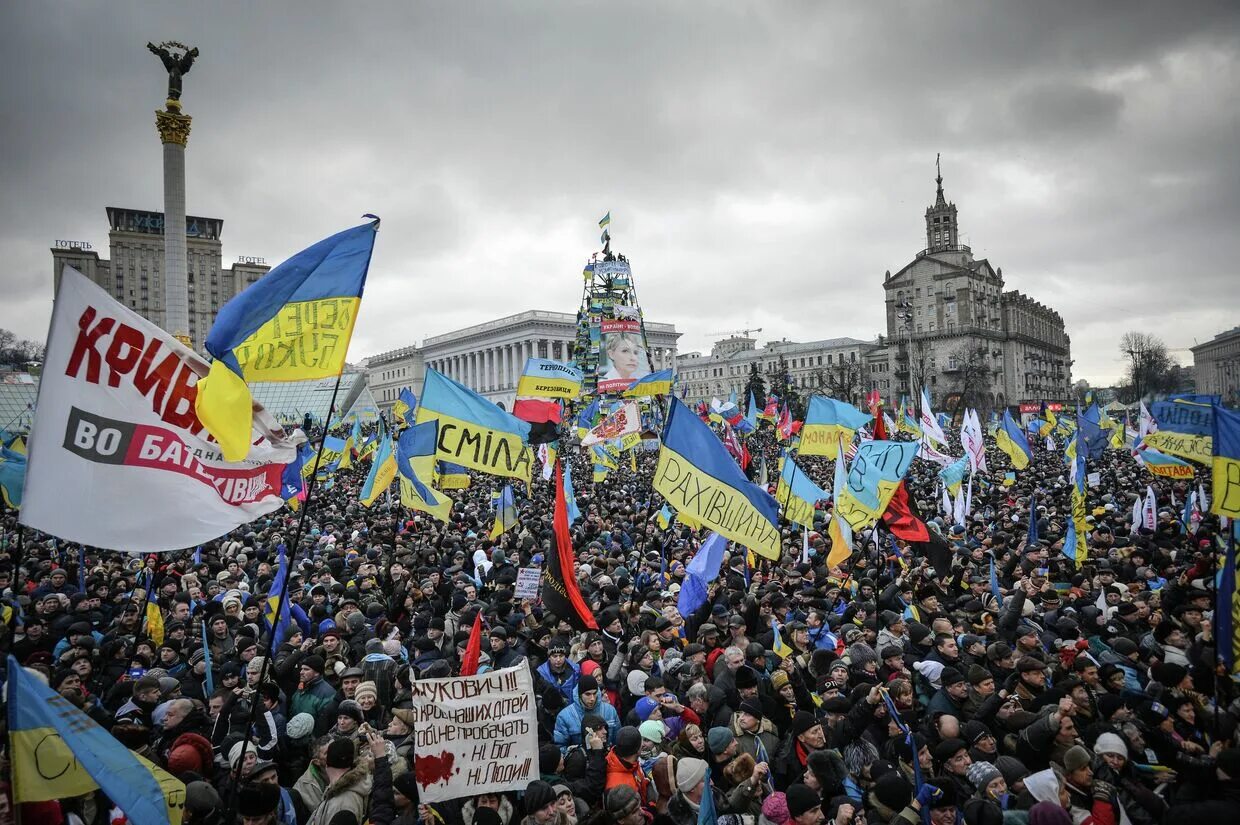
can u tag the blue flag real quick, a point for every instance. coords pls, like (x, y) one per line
(278, 624)
(570, 497)
(702, 569)
(1032, 537)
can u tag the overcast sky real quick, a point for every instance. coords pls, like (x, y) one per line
(764, 162)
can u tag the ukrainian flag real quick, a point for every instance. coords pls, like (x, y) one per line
(505, 513)
(452, 476)
(293, 324)
(570, 496)
(1011, 439)
(542, 378)
(828, 423)
(798, 493)
(656, 383)
(12, 477)
(664, 517)
(382, 470)
(839, 528)
(474, 432)
(698, 477)
(1227, 608)
(1226, 444)
(278, 619)
(1160, 463)
(404, 407)
(1075, 545)
(415, 461)
(781, 648)
(57, 752)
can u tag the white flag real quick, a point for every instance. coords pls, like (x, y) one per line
(117, 456)
(1146, 423)
(1149, 512)
(929, 424)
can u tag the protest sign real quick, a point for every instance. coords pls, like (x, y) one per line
(528, 579)
(475, 734)
(1094, 479)
(622, 358)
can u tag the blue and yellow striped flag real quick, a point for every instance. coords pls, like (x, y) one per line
(505, 506)
(277, 619)
(415, 461)
(382, 470)
(1225, 490)
(12, 477)
(293, 324)
(58, 752)
(474, 432)
(782, 649)
(1011, 439)
(655, 383)
(698, 477)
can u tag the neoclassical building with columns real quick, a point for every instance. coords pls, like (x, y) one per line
(488, 357)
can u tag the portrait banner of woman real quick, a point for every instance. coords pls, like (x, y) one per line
(622, 357)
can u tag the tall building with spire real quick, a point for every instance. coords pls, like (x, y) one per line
(954, 330)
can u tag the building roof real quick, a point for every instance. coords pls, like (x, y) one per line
(18, 392)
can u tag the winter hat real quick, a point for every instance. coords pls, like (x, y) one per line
(1110, 743)
(341, 753)
(1075, 759)
(351, 709)
(256, 799)
(538, 795)
(234, 754)
(645, 706)
(775, 809)
(981, 774)
(893, 790)
(802, 722)
(201, 799)
(300, 726)
(689, 773)
(621, 801)
(628, 742)
(950, 676)
(586, 684)
(366, 689)
(314, 662)
(652, 730)
(190, 752)
(718, 740)
(548, 758)
(978, 674)
(778, 679)
(801, 799)
(1013, 769)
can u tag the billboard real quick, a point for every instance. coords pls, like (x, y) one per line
(622, 357)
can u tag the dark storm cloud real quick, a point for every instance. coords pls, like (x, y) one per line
(764, 163)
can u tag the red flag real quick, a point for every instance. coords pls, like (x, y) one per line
(901, 520)
(473, 650)
(880, 428)
(560, 593)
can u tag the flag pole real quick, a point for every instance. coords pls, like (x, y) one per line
(235, 770)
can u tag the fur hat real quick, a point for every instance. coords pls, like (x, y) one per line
(801, 799)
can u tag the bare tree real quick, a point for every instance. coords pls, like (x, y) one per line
(17, 353)
(971, 373)
(1150, 371)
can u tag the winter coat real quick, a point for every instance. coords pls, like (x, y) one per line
(315, 699)
(348, 794)
(568, 721)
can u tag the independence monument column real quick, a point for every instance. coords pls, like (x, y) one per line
(174, 134)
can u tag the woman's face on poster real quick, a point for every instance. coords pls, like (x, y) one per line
(624, 356)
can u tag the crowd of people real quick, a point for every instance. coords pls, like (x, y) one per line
(997, 682)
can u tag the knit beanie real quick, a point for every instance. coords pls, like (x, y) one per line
(801, 799)
(1110, 743)
(538, 795)
(718, 739)
(1075, 759)
(775, 809)
(621, 801)
(689, 773)
(893, 790)
(778, 679)
(981, 774)
(366, 689)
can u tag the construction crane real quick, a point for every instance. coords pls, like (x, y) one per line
(744, 332)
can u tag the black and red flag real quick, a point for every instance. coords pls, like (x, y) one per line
(560, 594)
(902, 520)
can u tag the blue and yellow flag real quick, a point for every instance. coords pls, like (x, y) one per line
(1225, 490)
(404, 407)
(1011, 439)
(570, 496)
(293, 324)
(586, 417)
(415, 461)
(1185, 429)
(1226, 610)
(277, 619)
(602, 457)
(382, 470)
(58, 752)
(12, 477)
(474, 432)
(781, 648)
(827, 422)
(1160, 463)
(875, 472)
(505, 513)
(351, 445)
(542, 378)
(656, 383)
(698, 477)
(452, 476)
(797, 493)
(663, 518)
(1075, 545)
(953, 474)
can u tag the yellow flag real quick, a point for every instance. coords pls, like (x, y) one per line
(154, 623)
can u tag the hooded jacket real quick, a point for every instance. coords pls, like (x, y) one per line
(568, 721)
